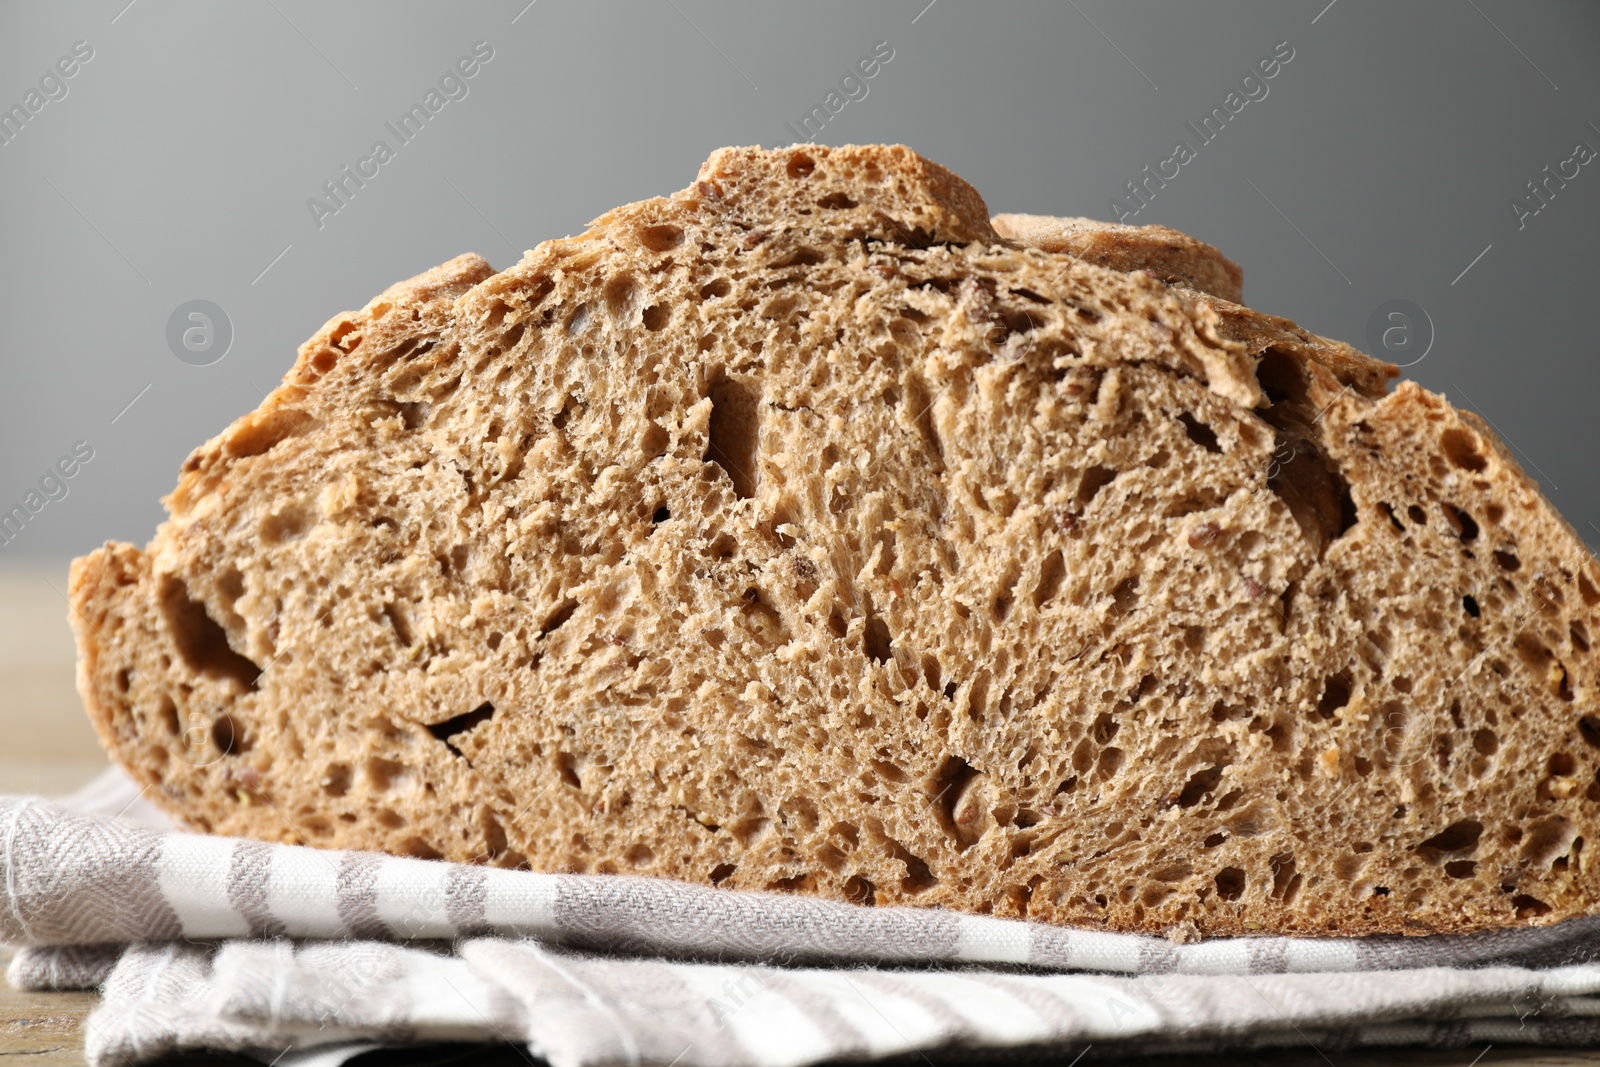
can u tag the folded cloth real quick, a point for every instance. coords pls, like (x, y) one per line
(223, 943)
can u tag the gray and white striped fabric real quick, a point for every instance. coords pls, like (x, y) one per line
(214, 942)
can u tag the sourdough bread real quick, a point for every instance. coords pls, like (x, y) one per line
(807, 531)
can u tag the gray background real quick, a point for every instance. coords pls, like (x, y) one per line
(179, 164)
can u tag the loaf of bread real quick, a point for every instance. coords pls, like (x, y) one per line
(809, 531)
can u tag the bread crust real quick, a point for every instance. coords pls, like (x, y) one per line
(1168, 254)
(807, 531)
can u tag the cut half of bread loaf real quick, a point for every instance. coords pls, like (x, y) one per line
(806, 530)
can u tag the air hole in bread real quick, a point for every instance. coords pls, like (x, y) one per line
(1051, 573)
(400, 623)
(888, 771)
(228, 735)
(257, 433)
(494, 835)
(567, 767)
(804, 882)
(286, 525)
(1461, 449)
(735, 430)
(460, 724)
(336, 779)
(201, 641)
(803, 256)
(1013, 321)
(1230, 883)
(920, 405)
(858, 890)
(1532, 651)
(1315, 492)
(748, 829)
(1104, 729)
(577, 319)
(1285, 882)
(1199, 432)
(509, 340)
(1200, 785)
(498, 310)
(1126, 595)
(721, 873)
(167, 714)
(621, 294)
(1281, 377)
(1547, 840)
(1007, 595)
(1173, 872)
(1529, 906)
(1336, 690)
(1094, 479)
(1462, 523)
(716, 287)
(558, 616)
(836, 202)
(418, 848)
(876, 641)
(1469, 603)
(838, 627)
(978, 696)
(918, 877)
(1579, 635)
(1458, 837)
(656, 317)
(957, 791)
(382, 774)
(661, 238)
(801, 165)
(1508, 561)
(230, 587)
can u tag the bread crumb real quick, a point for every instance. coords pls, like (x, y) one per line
(1184, 933)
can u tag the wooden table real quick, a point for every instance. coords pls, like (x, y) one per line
(50, 749)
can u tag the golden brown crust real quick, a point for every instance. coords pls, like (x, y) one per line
(1258, 332)
(1168, 254)
(799, 531)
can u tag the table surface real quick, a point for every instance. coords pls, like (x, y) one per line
(50, 749)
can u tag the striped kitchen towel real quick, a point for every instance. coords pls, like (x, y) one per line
(311, 955)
